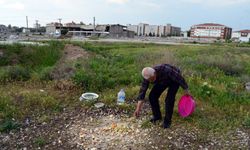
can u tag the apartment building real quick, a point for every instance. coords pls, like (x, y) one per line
(155, 30)
(211, 30)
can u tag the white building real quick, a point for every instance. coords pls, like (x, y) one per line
(141, 29)
(53, 28)
(134, 28)
(242, 35)
(162, 30)
(151, 30)
(155, 30)
(211, 30)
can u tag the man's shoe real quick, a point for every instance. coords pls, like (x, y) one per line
(154, 119)
(166, 124)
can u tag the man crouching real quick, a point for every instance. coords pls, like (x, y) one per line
(162, 76)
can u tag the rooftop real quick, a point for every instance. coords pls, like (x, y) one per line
(244, 31)
(210, 24)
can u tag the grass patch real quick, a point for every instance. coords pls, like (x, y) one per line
(247, 122)
(7, 125)
(40, 142)
(20, 62)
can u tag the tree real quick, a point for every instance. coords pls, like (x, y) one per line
(64, 31)
(9, 26)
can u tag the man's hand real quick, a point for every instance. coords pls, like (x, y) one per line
(138, 109)
(137, 113)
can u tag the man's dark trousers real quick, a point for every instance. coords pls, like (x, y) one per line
(169, 101)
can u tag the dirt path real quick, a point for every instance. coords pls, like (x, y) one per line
(64, 69)
(110, 128)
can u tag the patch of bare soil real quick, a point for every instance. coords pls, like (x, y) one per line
(72, 52)
(64, 68)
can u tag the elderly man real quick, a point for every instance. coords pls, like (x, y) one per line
(162, 76)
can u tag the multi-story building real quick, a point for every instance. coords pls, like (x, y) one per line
(175, 31)
(134, 28)
(242, 35)
(211, 30)
(162, 30)
(141, 29)
(151, 30)
(155, 30)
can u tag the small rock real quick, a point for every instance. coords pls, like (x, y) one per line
(27, 121)
(59, 141)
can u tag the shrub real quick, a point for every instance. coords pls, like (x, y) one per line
(18, 73)
(45, 74)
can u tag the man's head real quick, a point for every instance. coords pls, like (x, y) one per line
(148, 73)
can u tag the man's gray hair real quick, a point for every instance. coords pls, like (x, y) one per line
(147, 72)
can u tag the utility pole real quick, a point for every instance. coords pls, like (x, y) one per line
(27, 22)
(94, 24)
(60, 19)
(36, 26)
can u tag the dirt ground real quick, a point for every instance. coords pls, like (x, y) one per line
(109, 128)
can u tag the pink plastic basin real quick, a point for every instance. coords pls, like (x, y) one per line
(186, 105)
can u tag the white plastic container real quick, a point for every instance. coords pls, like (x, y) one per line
(121, 97)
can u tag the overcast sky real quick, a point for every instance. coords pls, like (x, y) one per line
(182, 13)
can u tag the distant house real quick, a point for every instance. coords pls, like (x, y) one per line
(26, 31)
(242, 35)
(118, 31)
(53, 28)
(211, 30)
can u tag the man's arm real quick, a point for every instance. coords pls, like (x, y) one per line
(143, 89)
(177, 77)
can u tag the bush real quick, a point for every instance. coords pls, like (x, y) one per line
(45, 74)
(19, 73)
